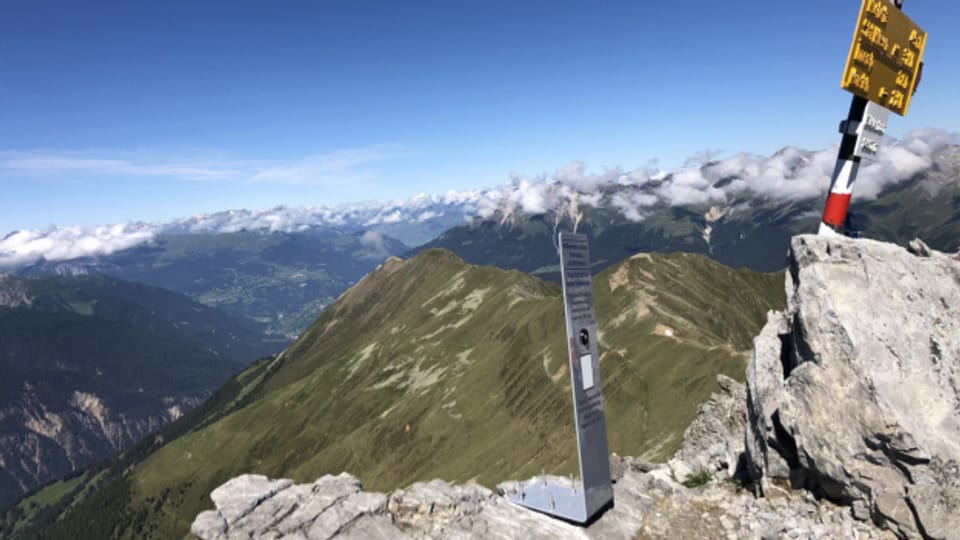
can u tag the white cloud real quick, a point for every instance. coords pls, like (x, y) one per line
(64, 243)
(376, 243)
(688, 186)
(901, 161)
(631, 205)
(45, 163)
(790, 174)
(701, 158)
(348, 165)
(336, 167)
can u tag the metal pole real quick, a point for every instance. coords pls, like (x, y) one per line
(845, 173)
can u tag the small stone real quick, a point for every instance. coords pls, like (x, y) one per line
(209, 524)
(918, 248)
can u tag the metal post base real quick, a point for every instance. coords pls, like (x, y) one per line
(554, 496)
(580, 501)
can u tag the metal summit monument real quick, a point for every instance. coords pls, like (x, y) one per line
(581, 500)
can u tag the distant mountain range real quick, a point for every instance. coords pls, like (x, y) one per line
(432, 367)
(91, 364)
(281, 267)
(747, 231)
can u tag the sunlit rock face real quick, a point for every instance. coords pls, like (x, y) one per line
(854, 391)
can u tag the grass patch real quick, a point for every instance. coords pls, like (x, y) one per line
(698, 479)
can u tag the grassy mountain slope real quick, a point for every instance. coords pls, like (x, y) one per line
(433, 368)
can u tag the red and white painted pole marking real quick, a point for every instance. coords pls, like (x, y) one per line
(862, 132)
(845, 173)
(838, 201)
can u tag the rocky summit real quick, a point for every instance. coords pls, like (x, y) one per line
(849, 427)
(854, 390)
(648, 505)
(650, 502)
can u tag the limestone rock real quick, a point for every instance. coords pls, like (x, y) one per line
(619, 465)
(919, 248)
(854, 391)
(713, 443)
(260, 507)
(648, 505)
(764, 383)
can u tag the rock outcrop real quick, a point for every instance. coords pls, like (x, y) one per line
(854, 391)
(43, 438)
(691, 497)
(648, 505)
(12, 292)
(713, 443)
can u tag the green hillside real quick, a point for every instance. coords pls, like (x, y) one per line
(158, 311)
(433, 368)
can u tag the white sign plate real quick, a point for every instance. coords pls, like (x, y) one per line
(871, 130)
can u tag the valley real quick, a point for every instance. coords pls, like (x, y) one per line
(92, 364)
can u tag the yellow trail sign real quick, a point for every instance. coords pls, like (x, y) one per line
(884, 56)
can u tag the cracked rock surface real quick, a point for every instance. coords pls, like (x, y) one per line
(854, 391)
(648, 505)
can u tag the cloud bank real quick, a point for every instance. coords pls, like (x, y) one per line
(789, 174)
(336, 167)
(20, 248)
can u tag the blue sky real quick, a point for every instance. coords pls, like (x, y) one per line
(151, 110)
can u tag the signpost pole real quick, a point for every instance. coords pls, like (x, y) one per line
(882, 71)
(845, 172)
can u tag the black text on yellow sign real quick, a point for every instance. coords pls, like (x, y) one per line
(885, 56)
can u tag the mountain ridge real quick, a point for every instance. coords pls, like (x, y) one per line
(848, 427)
(429, 366)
